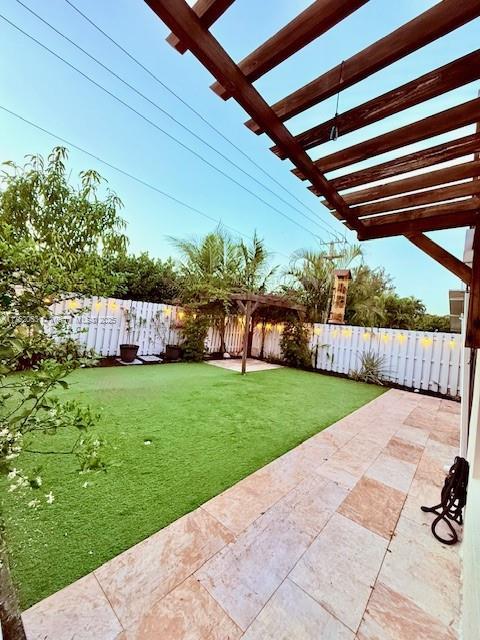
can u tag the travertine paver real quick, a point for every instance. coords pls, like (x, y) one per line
(327, 542)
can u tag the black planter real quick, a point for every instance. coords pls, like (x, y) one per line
(173, 352)
(128, 352)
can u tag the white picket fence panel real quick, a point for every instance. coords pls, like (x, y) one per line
(415, 359)
(428, 361)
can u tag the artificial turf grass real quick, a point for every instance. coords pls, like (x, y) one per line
(208, 428)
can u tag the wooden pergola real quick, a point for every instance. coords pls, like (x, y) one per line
(248, 303)
(399, 207)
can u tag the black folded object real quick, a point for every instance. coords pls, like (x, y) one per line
(452, 501)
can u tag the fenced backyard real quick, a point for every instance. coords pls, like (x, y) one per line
(427, 361)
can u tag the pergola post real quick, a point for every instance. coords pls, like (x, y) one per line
(248, 315)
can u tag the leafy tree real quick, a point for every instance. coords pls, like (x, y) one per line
(55, 240)
(146, 279)
(365, 298)
(403, 313)
(254, 274)
(432, 322)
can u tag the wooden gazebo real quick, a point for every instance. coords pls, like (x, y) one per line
(372, 211)
(249, 303)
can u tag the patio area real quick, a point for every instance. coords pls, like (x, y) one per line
(328, 541)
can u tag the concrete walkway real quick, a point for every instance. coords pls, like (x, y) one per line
(325, 543)
(235, 364)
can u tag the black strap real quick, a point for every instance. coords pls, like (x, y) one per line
(452, 501)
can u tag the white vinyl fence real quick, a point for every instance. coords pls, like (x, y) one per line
(101, 324)
(414, 359)
(423, 360)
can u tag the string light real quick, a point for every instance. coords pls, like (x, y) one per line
(347, 333)
(366, 335)
(385, 337)
(401, 337)
(426, 342)
(181, 314)
(167, 312)
(98, 306)
(452, 344)
(113, 305)
(73, 304)
(317, 331)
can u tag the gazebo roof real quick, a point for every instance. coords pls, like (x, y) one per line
(389, 209)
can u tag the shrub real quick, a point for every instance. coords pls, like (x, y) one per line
(372, 368)
(194, 330)
(294, 344)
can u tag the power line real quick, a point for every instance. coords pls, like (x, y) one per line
(173, 138)
(196, 112)
(127, 174)
(167, 113)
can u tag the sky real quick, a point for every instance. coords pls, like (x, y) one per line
(44, 90)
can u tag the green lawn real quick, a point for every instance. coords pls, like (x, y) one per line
(209, 428)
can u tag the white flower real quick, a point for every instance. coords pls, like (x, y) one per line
(4, 432)
(38, 481)
(96, 443)
(11, 456)
(12, 474)
(147, 442)
(86, 484)
(49, 497)
(34, 503)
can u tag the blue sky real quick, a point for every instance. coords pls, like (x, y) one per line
(44, 90)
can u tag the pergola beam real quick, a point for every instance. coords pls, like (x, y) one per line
(443, 216)
(180, 18)
(470, 188)
(443, 152)
(434, 23)
(209, 11)
(318, 18)
(414, 183)
(430, 85)
(448, 120)
(441, 255)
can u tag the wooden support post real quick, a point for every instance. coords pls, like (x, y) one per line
(472, 339)
(248, 314)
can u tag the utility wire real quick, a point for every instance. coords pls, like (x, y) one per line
(128, 175)
(185, 146)
(197, 113)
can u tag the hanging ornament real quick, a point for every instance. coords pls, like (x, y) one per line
(334, 133)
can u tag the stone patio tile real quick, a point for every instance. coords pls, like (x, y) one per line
(187, 613)
(413, 435)
(391, 616)
(422, 418)
(393, 472)
(421, 533)
(450, 406)
(430, 579)
(79, 611)
(340, 567)
(244, 575)
(446, 436)
(136, 579)
(374, 505)
(340, 433)
(291, 614)
(403, 450)
(421, 494)
(237, 507)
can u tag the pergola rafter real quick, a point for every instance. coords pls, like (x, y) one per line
(442, 198)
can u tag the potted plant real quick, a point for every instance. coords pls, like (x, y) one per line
(133, 325)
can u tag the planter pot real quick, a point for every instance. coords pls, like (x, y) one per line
(173, 352)
(128, 352)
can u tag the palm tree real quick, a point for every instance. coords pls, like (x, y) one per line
(311, 275)
(254, 273)
(216, 265)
